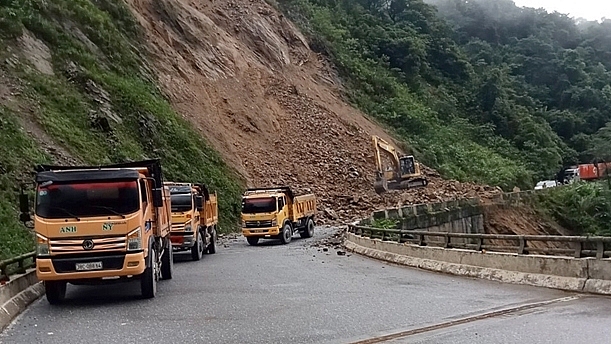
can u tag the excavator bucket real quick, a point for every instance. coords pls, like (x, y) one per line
(380, 186)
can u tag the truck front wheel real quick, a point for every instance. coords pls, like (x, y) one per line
(148, 281)
(167, 261)
(253, 241)
(56, 291)
(287, 233)
(197, 251)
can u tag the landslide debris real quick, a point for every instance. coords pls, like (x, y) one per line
(248, 81)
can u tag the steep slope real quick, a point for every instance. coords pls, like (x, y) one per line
(248, 81)
(75, 89)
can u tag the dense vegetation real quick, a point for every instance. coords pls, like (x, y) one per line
(584, 208)
(99, 103)
(481, 90)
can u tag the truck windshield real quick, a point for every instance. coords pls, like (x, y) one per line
(87, 199)
(181, 202)
(259, 205)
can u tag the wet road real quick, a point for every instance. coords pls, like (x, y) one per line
(297, 293)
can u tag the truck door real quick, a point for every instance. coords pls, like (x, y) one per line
(282, 213)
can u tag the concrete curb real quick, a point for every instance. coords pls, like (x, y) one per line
(595, 286)
(17, 295)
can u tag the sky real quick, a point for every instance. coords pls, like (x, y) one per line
(588, 9)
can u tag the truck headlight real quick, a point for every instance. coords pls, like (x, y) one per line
(42, 246)
(188, 228)
(274, 223)
(243, 223)
(134, 240)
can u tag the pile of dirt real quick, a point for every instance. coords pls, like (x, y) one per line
(521, 220)
(248, 81)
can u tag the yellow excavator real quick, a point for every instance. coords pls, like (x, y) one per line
(404, 174)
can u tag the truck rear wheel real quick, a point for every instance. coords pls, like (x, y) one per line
(197, 251)
(148, 280)
(253, 241)
(287, 233)
(308, 232)
(212, 246)
(167, 261)
(56, 291)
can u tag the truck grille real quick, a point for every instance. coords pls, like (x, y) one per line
(99, 244)
(179, 226)
(258, 224)
(68, 264)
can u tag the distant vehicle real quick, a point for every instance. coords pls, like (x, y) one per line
(571, 175)
(544, 184)
(404, 173)
(587, 172)
(594, 171)
(194, 218)
(277, 213)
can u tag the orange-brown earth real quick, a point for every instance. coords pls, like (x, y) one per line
(246, 78)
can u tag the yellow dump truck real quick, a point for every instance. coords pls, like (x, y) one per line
(194, 218)
(101, 224)
(276, 213)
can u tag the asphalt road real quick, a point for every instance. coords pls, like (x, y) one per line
(298, 293)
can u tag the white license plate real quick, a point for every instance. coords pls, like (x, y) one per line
(88, 266)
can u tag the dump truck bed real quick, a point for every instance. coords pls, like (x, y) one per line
(164, 215)
(303, 206)
(210, 212)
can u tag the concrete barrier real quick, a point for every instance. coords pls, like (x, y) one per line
(17, 294)
(589, 275)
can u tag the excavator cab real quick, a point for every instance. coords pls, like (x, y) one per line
(408, 165)
(403, 174)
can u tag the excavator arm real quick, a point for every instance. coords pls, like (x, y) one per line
(380, 144)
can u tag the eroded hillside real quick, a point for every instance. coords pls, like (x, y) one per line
(248, 81)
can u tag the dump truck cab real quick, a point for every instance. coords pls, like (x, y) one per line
(276, 213)
(100, 225)
(194, 218)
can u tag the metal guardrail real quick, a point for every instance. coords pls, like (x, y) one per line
(5, 266)
(581, 246)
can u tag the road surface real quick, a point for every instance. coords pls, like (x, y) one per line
(298, 293)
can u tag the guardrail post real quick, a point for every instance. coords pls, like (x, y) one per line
(577, 246)
(3, 275)
(420, 240)
(479, 243)
(446, 239)
(600, 250)
(522, 245)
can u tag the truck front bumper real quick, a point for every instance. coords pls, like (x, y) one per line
(182, 240)
(260, 232)
(65, 267)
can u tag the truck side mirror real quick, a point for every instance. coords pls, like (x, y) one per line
(199, 203)
(157, 198)
(24, 207)
(24, 203)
